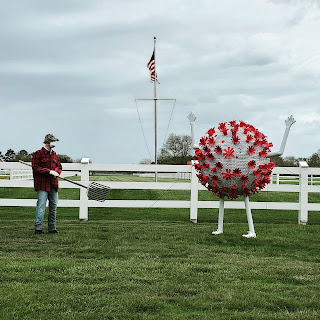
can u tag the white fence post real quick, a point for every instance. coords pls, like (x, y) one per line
(83, 211)
(194, 196)
(303, 193)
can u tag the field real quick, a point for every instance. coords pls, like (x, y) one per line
(155, 264)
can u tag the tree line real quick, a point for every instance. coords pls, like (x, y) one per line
(178, 149)
(12, 156)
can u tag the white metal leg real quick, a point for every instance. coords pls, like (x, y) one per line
(251, 233)
(220, 219)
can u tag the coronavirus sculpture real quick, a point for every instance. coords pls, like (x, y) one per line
(232, 160)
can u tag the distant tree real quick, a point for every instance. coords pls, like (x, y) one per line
(278, 161)
(23, 155)
(290, 162)
(145, 161)
(64, 158)
(286, 161)
(176, 150)
(9, 156)
(314, 159)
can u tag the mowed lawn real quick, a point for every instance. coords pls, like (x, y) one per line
(155, 264)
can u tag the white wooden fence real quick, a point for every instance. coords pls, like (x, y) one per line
(19, 174)
(303, 188)
(168, 175)
(26, 174)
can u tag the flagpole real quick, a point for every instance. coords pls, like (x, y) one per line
(155, 111)
(152, 68)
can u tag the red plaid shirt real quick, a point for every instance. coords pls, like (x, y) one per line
(42, 162)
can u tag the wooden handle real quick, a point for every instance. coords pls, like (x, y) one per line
(74, 182)
(27, 164)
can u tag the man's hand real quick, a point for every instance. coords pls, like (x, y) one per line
(290, 121)
(54, 173)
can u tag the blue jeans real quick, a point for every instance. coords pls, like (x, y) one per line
(43, 196)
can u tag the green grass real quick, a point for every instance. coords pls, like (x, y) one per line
(155, 264)
(134, 178)
(29, 193)
(128, 178)
(295, 181)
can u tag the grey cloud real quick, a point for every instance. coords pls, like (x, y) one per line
(302, 3)
(75, 68)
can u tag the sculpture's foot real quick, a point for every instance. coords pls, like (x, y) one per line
(249, 235)
(216, 232)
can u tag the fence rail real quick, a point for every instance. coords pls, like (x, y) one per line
(303, 174)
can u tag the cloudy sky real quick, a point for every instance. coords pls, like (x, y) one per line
(75, 68)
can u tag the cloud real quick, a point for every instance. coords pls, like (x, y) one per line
(75, 68)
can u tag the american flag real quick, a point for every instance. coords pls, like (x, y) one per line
(151, 67)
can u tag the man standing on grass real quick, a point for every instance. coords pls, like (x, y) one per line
(46, 170)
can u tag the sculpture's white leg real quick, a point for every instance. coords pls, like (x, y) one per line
(220, 219)
(251, 233)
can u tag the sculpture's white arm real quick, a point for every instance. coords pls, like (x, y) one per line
(192, 118)
(289, 122)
